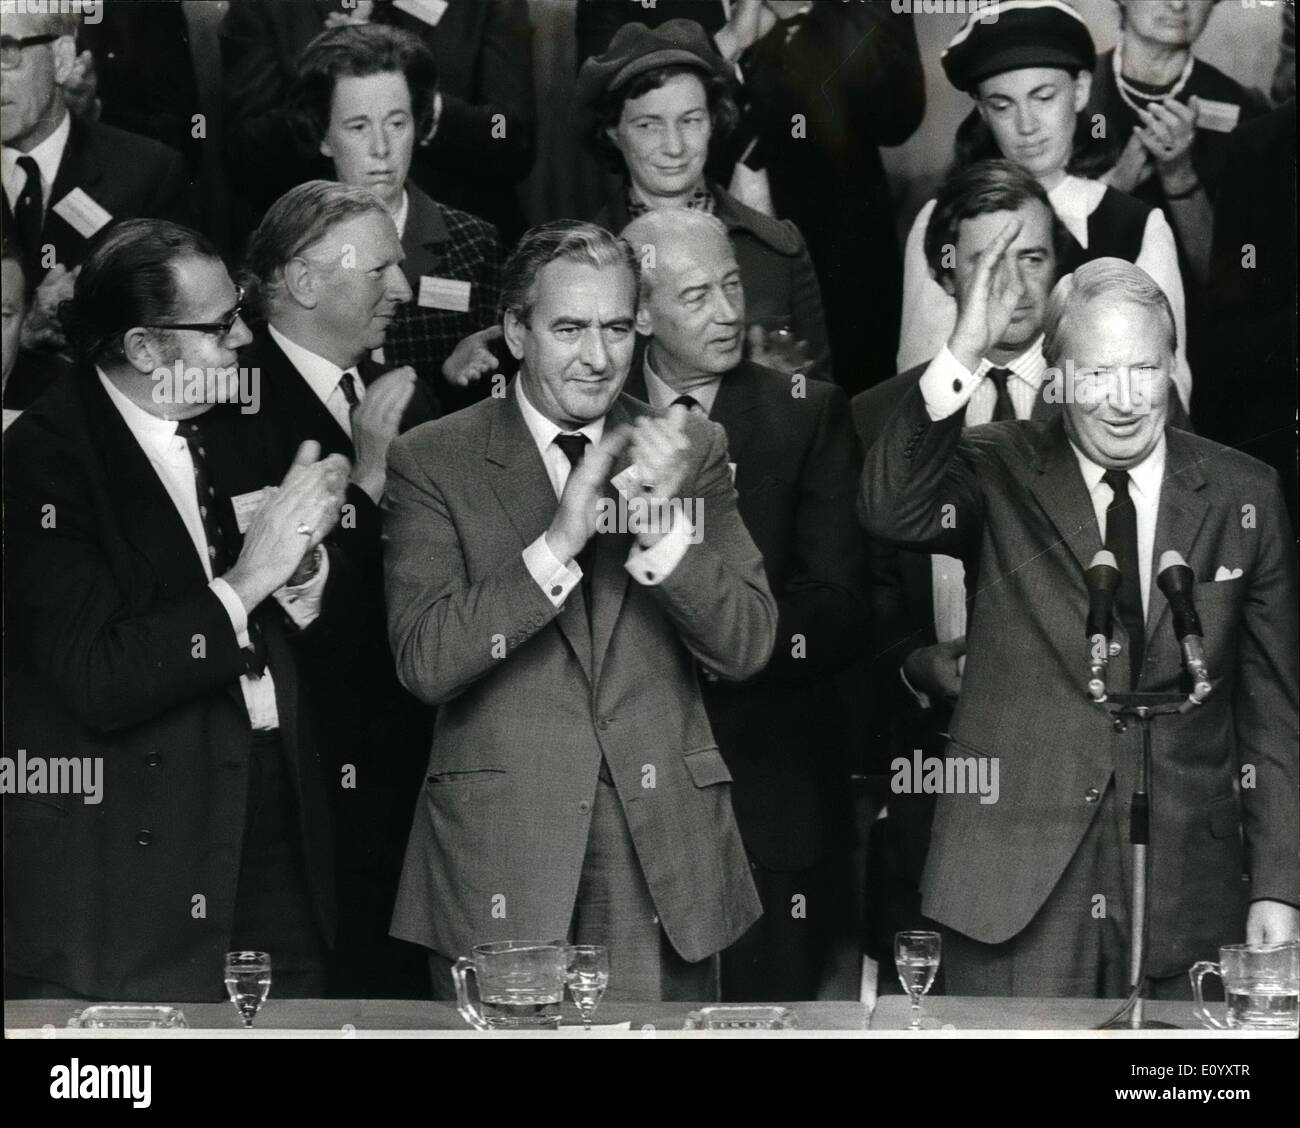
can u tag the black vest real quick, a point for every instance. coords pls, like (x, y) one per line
(1115, 230)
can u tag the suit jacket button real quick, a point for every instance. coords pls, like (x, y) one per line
(584, 807)
(603, 724)
(153, 759)
(1091, 795)
(144, 837)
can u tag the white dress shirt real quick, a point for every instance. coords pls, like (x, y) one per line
(661, 395)
(930, 314)
(979, 397)
(558, 578)
(169, 455)
(323, 378)
(47, 155)
(1144, 482)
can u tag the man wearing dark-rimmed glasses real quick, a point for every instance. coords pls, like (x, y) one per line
(159, 615)
(67, 178)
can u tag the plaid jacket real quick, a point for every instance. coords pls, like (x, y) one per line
(442, 242)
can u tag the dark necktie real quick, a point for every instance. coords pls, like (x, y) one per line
(1003, 408)
(28, 219)
(1122, 540)
(688, 402)
(574, 446)
(221, 554)
(349, 391)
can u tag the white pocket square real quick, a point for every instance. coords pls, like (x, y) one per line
(1226, 574)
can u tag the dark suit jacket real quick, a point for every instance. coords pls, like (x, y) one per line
(367, 719)
(531, 699)
(782, 732)
(1023, 509)
(483, 51)
(853, 74)
(117, 649)
(780, 284)
(130, 177)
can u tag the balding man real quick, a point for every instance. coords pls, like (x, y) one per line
(1016, 873)
(795, 463)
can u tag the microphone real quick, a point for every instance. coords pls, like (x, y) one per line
(1175, 579)
(1102, 580)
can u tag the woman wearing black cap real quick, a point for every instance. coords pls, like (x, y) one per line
(1030, 72)
(653, 104)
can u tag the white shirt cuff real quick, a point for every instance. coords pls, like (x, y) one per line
(922, 699)
(651, 566)
(234, 608)
(552, 575)
(302, 603)
(947, 385)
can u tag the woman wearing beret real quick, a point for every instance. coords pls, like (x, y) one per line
(653, 104)
(1030, 73)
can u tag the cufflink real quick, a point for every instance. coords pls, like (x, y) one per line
(956, 385)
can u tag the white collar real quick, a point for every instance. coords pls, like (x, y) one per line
(1146, 476)
(1029, 366)
(661, 394)
(1074, 200)
(399, 216)
(322, 375)
(544, 431)
(47, 155)
(152, 432)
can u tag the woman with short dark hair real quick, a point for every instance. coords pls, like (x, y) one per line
(366, 93)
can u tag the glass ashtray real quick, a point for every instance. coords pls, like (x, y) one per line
(120, 1017)
(742, 1018)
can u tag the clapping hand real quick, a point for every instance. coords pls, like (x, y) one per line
(575, 520)
(293, 519)
(472, 358)
(375, 423)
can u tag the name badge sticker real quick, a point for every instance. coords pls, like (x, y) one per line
(444, 293)
(246, 505)
(430, 11)
(81, 213)
(1219, 117)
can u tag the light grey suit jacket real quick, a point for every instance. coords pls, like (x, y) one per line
(530, 699)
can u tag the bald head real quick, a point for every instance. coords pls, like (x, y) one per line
(692, 304)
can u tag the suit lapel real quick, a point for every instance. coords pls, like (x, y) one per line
(77, 169)
(1179, 517)
(737, 397)
(305, 416)
(423, 239)
(149, 519)
(1061, 491)
(522, 486)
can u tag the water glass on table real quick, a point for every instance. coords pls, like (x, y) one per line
(587, 974)
(248, 980)
(916, 956)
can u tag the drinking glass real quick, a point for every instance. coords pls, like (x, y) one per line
(248, 979)
(916, 956)
(1261, 983)
(587, 973)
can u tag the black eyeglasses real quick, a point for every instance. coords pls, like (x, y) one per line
(11, 49)
(221, 328)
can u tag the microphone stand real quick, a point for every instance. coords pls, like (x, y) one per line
(1144, 708)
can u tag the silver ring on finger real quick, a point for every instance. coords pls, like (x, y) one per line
(305, 529)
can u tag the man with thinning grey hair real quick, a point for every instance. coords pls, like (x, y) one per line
(1031, 890)
(323, 270)
(574, 789)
